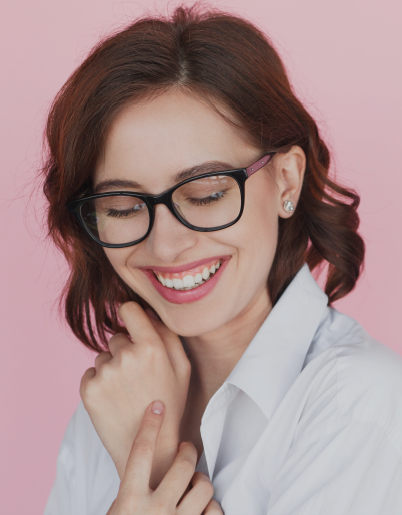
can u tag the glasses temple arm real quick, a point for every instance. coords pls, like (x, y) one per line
(259, 164)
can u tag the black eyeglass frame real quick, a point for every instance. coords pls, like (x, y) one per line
(240, 175)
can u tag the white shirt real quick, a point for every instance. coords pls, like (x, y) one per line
(309, 422)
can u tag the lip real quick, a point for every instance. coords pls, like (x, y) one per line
(186, 296)
(187, 267)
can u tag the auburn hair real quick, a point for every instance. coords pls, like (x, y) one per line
(219, 56)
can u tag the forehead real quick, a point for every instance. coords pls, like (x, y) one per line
(149, 141)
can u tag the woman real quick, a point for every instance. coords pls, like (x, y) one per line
(188, 189)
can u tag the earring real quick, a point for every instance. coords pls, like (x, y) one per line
(288, 206)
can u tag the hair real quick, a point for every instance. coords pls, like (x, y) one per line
(227, 59)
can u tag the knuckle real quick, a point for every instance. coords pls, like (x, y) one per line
(186, 464)
(83, 388)
(100, 357)
(126, 354)
(189, 448)
(117, 338)
(88, 396)
(112, 338)
(125, 357)
(143, 448)
(151, 424)
(105, 372)
(83, 391)
(203, 480)
(205, 488)
(86, 385)
(213, 508)
(159, 507)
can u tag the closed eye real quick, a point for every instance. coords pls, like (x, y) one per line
(121, 213)
(207, 200)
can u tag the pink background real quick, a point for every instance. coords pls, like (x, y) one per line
(344, 58)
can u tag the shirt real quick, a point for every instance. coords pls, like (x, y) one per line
(309, 422)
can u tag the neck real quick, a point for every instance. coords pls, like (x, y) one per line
(214, 355)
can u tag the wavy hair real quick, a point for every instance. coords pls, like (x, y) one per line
(219, 56)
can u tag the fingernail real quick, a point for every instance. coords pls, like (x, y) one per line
(157, 407)
(152, 314)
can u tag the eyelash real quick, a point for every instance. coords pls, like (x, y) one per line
(195, 201)
(120, 214)
(207, 200)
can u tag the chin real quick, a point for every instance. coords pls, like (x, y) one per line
(195, 324)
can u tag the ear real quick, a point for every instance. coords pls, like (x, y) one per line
(289, 175)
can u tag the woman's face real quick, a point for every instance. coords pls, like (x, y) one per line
(148, 144)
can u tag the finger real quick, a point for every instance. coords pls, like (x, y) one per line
(152, 314)
(173, 346)
(101, 358)
(117, 342)
(213, 508)
(139, 464)
(198, 498)
(145, 331)
(179, 475)
(138, 324)
(88, 375)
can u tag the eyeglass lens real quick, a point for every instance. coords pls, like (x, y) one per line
(204, 203)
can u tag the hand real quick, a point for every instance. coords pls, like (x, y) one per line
(117, 391)
(135, 497)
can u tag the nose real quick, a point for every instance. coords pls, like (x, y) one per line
(169, 237)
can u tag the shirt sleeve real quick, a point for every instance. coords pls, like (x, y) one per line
(86, 480)
(60, 501)
(353, 470)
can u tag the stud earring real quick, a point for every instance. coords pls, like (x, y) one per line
(288, 206)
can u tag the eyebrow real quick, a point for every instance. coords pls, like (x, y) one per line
(210, 166)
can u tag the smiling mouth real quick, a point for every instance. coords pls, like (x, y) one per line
(188, 280)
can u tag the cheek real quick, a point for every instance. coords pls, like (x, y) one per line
(254, 237)
(118, 259)
(261, 215)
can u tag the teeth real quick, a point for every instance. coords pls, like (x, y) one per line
(195, 286)
(205, 273)
(198, 278)
(188, 281)
(177, 283)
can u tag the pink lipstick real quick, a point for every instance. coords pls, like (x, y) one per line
(186, 296)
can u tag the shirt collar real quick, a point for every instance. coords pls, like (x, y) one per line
(275, 356)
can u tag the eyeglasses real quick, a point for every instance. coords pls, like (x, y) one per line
(207, 202)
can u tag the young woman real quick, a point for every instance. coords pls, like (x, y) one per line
(188, 189)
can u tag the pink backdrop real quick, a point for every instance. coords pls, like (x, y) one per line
(344, 58)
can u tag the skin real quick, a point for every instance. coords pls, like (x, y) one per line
(135, 494)
(149, 142)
